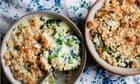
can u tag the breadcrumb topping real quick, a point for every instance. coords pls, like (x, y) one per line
(115, 31)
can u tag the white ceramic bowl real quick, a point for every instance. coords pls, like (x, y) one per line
(118, 70)
(75, 75)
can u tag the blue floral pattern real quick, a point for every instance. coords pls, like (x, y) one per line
(76, 10)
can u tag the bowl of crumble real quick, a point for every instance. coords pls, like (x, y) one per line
(112, 34)
(39, 42)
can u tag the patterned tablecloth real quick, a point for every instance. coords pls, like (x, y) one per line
(11, 10)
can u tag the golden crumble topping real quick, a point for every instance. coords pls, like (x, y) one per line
(115, 31)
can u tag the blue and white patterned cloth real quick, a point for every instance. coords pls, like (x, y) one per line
(11, 10)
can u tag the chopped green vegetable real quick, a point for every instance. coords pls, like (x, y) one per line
(51, 79)
(54, 32)
(106, 48)
(63, 55)
(102, 44)
(51, 56)
(109, 50)
(21, 26)
(59, 37)
(76, 39)
(71, 61)
(53, 22)
(56, 55)
(70, 42)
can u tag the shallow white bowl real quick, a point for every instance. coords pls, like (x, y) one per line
(75, 75)
(118, 70)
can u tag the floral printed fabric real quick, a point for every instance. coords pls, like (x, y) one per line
(11, 10)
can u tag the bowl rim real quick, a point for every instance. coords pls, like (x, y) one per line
(53, 14)
(119, 72)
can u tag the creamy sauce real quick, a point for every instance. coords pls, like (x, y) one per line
(39, 44)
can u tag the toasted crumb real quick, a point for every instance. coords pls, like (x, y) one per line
(91, 25)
